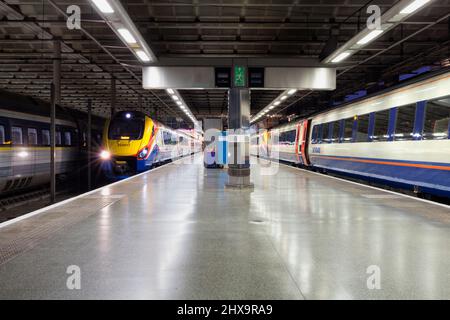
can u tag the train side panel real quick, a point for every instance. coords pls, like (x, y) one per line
(404, 144)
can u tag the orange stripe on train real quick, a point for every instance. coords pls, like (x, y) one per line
(398, 164)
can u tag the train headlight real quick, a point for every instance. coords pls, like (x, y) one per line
(105, 155)
(143, 153)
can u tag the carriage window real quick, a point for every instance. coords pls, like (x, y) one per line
(287, 137)
(348, 130)
(404, 128)
(67, 138)
(336, 131)
(45, 137)
(362, 135)
(326, 133)
(315, 133)
(32, 136)
(58, 138)
(16, 135)
(380, 132)
(2, 135)
(437, 116)
(168, 138)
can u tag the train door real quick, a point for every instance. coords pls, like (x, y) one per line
(298, 131)
(32, 143)
(303, 139)
(5, 154)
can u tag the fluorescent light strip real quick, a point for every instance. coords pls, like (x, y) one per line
(292, 91)
(103, 6)
(127, 36)
(170, 91)
(416, 5)
(371, 36)
(142, 55)
(341, 57)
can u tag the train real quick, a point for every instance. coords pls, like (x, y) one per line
(398, 137)
(133, 142)
(25, 142)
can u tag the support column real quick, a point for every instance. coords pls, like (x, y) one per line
(113, 95)
(89, 144)
(239, 121)
(55, 99)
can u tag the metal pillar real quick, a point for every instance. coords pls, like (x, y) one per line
(55, 99)
(239, 146)
(89, 144)
(113, 95)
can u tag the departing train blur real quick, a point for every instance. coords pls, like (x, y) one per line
(25, 142)
(133, 142)
(399, 138)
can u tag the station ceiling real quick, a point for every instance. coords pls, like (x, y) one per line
(204, 28)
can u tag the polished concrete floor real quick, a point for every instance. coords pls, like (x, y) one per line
(177, 233)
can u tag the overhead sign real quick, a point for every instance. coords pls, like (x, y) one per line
(256, 77)
(275, 78)
(239, 76)
(223, 77)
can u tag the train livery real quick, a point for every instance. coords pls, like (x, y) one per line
(25, 142)
(133, 142)
(399, 138)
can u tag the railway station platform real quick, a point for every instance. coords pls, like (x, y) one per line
(177, 233)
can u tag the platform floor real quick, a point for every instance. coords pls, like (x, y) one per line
(177, 233)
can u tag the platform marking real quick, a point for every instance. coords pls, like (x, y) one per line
(106, 196)
(55, 205)
(380, 196)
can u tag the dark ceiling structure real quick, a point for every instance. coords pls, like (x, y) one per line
(94, 55)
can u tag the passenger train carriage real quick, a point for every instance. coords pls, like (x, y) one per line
(25, 142)
(133, 142)
(399, 138)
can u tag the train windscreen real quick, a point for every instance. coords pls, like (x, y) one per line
(126, 128)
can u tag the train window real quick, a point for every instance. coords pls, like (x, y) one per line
(326, 133)
(362, 134)
(287, 137)
(168, 138)
(380, 132)
(45, 137)
(67, 138)
(16, 135)
(32, 136)
(2, 135)
(122, 127)
(437, 116)
(315, 133)
(348, 130)
(404, 128)
(58, 138)
(336, 132)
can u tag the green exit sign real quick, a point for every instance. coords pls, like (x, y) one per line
(239, 76)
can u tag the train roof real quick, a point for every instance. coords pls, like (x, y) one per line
(370, 96)
(24, 104)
